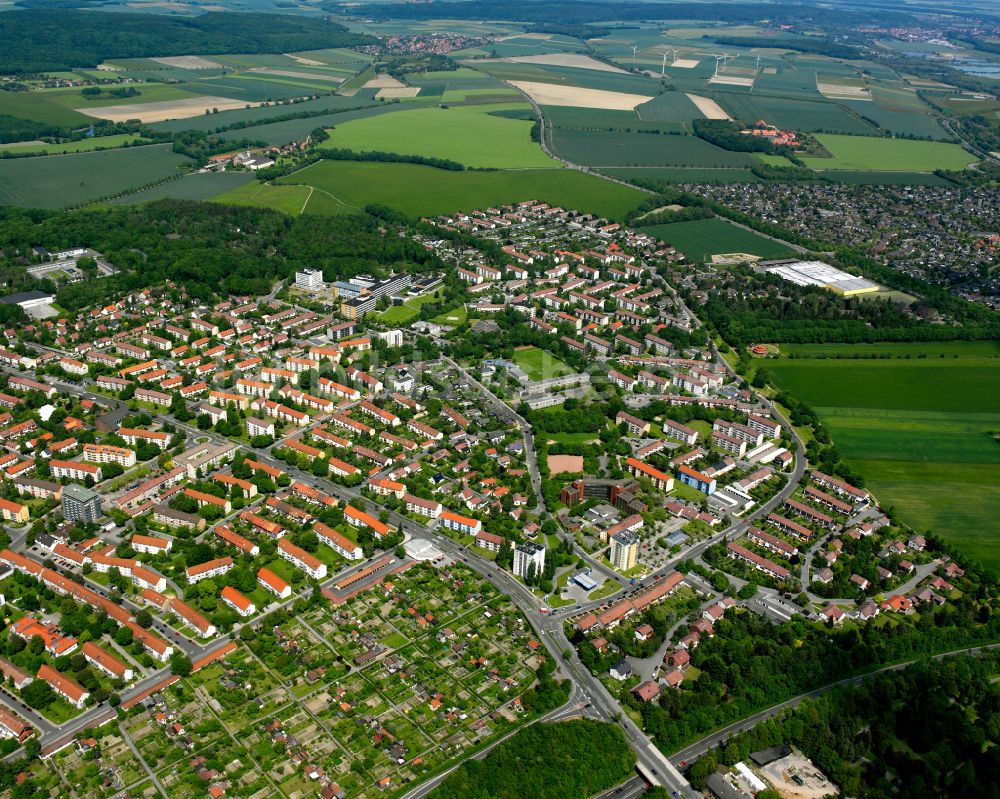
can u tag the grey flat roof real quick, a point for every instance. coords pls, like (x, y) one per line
(25, 296)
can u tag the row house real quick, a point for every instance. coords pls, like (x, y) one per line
(337, 542)
(210, 568)
(107, 453)
(301, 559)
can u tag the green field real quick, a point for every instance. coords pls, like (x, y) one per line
(701, 239)
(348, 186)
(611, 149)
(289, 199)
(37, 106)
(196, 186)
(260, 115)
(539, 364)
(908, 350)
(60, 181)
(473, 139)
(81, 146)
(888, 155)
(681, 175)
(921, 431)
(795, 113)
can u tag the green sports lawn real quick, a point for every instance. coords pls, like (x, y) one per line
(415, 190)
(888, 155)
(539, 364)
(478, 140)
(922, 431)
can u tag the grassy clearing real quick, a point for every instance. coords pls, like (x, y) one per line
(540, 364)
(421, 190)
(922, 431)
(701, 239)
(59, 181)
(478, 140)
(888, 155)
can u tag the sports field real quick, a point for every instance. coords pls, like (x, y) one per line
(470, 137)
(703, 238)
(921, 431)
(888, 155)
(348, 186)
(60, 181)
(539, 364)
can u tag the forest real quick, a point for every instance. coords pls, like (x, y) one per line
(937, 723)
(53, 40)
(750, 664)
(205, 248)
(570, 13)
(543, 762)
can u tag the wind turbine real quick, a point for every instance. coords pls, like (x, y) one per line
(635, 47)
(757, 60)
(717, 58)
(663, 69)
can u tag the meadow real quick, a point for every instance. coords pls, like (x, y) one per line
(470, 137)
(703, 238)
(60, 181)
(888, 155)
(348, 186)
(921, 431)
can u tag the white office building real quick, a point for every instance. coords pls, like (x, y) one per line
(310, 280)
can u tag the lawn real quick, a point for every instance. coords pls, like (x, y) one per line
(888, 155)
(60, 181)
(455, 317)
(422, 190)
(921, 431)
(703, 238)
(401, 314)
(479, 140)
(290, 199)
(540, 364)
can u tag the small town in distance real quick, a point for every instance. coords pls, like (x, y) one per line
(538, 399)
